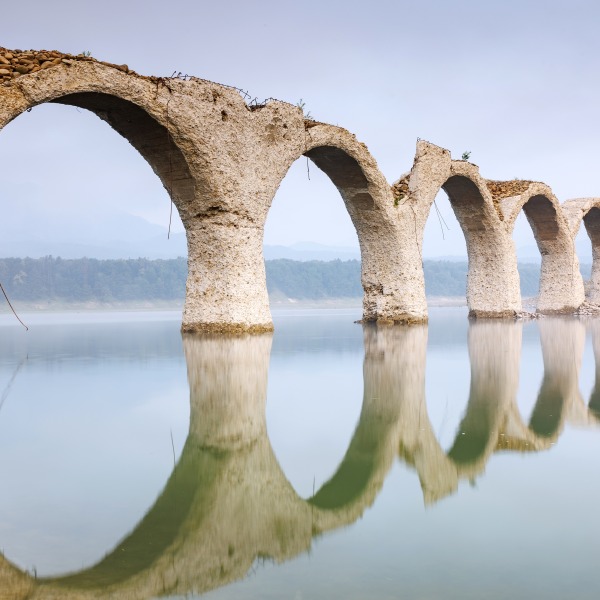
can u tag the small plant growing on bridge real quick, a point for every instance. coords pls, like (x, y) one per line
(466, 155)
(397, 198)
(302, 106)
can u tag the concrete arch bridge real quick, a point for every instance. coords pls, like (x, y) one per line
(222, 162)
(228, 503)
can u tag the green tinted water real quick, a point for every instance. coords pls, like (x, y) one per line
(330, 460)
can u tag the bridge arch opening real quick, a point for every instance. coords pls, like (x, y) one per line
(529, 261)
(374, 213)
(78, 191)
(444, 252)
(149, 137)
(311, 246)
(490, 277)
(590, 240)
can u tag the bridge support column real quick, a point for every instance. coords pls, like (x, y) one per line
(226, 286)
(392, 278)
(493, 279)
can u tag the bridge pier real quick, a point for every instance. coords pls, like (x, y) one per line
(226, 285)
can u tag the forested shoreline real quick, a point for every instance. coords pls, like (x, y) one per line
(52, 279)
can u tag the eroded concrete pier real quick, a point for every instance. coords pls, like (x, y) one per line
(222, 162)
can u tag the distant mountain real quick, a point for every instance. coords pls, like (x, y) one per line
(305, 251)
(531, 253)
(152, 248)
(119, 236)
(128, 236)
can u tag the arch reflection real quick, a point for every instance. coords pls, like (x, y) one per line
(228, 503)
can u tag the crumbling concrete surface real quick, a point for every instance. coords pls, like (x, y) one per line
(222, 162)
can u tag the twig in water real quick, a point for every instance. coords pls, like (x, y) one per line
(11, 308)
(10, 383)
(444, 416)
(173, 446)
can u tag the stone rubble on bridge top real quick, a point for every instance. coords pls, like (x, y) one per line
(506, 189)
(14, 63)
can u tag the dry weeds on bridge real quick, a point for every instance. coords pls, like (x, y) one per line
(222, 161)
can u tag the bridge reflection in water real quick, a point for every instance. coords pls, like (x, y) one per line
(228, 502)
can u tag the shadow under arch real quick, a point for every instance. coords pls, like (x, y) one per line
(482, 230)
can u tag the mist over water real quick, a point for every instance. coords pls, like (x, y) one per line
(330, 459)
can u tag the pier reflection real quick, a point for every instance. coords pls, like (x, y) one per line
(228, 502)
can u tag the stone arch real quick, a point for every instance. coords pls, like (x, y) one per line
(493, 280)
(147, 112)
(186, 130)
(388, 265)
(489, 272)
(561, 285)
(133, 106)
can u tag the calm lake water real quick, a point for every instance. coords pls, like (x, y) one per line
(330, 460)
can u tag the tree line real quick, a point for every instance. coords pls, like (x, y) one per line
(86, 279)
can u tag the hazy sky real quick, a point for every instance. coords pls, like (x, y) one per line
(516, 83)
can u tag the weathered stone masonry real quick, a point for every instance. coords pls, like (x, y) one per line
(222, 162)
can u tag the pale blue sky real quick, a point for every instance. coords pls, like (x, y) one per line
(516, 83)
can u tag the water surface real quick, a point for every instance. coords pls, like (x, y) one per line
(455, 460)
